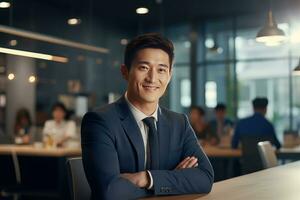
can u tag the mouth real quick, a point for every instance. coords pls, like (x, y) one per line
(150, 87)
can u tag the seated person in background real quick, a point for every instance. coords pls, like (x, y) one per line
(198, 123)
(220, 126)
(255, 125)
(23, 127)
(59, 128)
(134, 147)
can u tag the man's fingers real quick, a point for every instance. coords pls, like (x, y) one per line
(179, 166)
(190, 163)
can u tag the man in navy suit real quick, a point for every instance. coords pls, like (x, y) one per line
(256, 125)
(135, 148)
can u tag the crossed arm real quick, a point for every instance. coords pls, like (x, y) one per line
(142, 179)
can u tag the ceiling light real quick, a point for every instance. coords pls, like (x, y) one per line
(295, 37)
(11, 76)
(297, 70)
(142, 10)
(51, 39)
(124, 41)
(74, 21)
(32, 79)
(33, 55)
(4, 4)
(272, 44)
(13, 43)
(209, 42)
(270, 32)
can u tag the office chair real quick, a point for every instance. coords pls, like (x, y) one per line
(251, 161)
(79, 186)
(267, 154)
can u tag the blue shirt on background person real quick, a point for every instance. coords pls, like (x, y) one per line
(255, 125)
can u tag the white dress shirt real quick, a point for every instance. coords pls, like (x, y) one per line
(60, 130)
(139, 116)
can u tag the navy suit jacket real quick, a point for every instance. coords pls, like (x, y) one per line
(112, 144)
(256, 125)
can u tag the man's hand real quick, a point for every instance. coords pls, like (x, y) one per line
(140, 179)
(188, 162)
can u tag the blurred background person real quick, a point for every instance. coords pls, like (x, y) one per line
(221, 126)
(256, 125)
(23, 128)
(198, 122)
(59, 129)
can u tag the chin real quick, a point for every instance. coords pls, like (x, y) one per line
(149, 99)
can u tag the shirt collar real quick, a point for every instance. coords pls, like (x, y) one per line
(139, 115)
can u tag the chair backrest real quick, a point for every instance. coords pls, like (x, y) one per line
(251, 161)
(267, 154)
(79, 186)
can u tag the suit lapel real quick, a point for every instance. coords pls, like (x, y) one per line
(132, 131)
(164, 138)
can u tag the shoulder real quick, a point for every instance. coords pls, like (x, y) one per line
(49, 122)
(102, 113)
(170, 113)
(173, 117)
(71, 123)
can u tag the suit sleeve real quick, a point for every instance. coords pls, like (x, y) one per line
(186, 181)
(100, 161)
(275, 140)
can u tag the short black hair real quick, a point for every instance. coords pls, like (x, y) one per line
(220, 106)
(199, 109)
(61, 106)
(260, 103)
(148, 40)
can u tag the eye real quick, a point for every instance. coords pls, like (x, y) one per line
(143, 67)
(162, 70)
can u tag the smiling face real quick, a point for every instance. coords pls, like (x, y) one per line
(148, 77)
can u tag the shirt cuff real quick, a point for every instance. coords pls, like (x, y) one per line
(151, 180)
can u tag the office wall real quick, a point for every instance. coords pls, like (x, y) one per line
(20, 93)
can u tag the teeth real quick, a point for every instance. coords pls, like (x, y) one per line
(152, 87)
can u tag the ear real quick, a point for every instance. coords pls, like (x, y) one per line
(124, 72)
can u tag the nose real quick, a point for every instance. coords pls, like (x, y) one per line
(151, 76)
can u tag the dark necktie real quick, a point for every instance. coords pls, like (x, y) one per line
(153, 159)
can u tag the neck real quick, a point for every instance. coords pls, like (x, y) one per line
(148, 108)
(260, 111)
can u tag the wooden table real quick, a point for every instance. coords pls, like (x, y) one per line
(289, 153)
(222, 152)
(280, 182)
(215, 151)
(30, 150)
